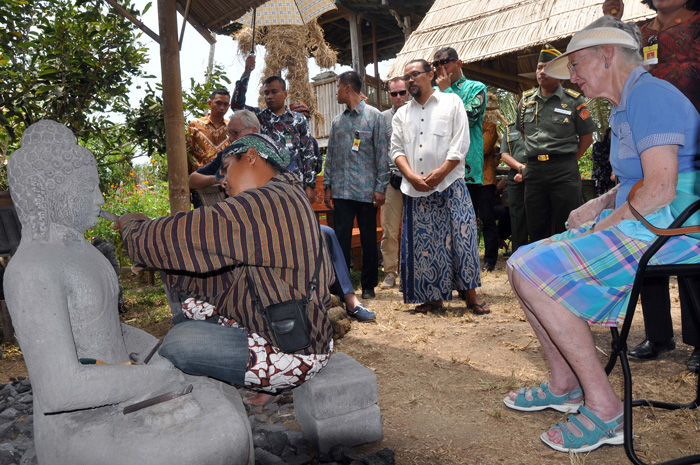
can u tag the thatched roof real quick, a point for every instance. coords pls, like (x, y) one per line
(499, 40)
(213, 15)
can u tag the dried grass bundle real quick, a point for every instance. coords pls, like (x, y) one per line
(288, 48)
(324, 55)
(244, 38)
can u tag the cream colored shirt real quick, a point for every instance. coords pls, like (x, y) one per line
(429, 134)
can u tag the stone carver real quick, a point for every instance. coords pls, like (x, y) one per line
(62, 296)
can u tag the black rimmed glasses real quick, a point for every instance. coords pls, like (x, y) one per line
(398, 92)
(414, 75)
(442, 61)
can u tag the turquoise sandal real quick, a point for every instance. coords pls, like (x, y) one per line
(603, 432)
(562, 403)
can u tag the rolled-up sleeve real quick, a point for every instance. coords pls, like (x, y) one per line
(459, 143)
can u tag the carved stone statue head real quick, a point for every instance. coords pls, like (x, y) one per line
(53, 182)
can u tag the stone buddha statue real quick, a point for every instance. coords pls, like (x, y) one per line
(62, 295)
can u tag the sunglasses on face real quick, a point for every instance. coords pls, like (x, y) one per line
(442, 62)
(398, 92)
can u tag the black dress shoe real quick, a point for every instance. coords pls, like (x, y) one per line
(693, 363)
(648, 350)
(368, 294)
(488, 267)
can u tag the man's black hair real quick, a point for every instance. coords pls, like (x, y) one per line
(272, 79)
(352, 78)
(426, 65)
(219, 92)
(451, 53)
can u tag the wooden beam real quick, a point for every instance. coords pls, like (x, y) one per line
(134, 20)
(172, 107)
(184, 23)
(376, 64)
(197, 25)
(356, 44)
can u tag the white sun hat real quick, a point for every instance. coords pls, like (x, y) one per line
(607, 30)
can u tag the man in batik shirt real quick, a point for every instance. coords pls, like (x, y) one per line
(287, 128)
(356, 174)
(206, 136)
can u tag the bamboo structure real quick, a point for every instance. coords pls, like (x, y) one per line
(172, 107)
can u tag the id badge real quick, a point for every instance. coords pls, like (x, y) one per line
(651, 54)
(356, 145)
(288, 142)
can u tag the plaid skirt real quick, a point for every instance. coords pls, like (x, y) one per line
(439, 245)
(592, 274)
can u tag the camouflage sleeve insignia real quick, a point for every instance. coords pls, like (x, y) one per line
(573, 93)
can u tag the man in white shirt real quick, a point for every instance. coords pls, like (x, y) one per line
(439, 242)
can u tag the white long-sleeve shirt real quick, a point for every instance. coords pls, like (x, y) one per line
(429, 134)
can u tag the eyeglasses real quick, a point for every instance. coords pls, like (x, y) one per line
(652, 40)
(442, 62)
(414, 75)
(572, 66)
(398, 92)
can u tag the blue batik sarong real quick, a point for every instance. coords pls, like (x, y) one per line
(439, 245)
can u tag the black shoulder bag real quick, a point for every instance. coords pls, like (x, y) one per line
(289, 320)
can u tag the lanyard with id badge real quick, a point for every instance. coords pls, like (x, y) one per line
(651, 51)
(356, 142)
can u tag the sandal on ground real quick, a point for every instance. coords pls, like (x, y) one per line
(479, 308)
(563, 403)
(603, 432)
(429, 306)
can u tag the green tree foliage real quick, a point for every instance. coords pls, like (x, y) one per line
(72, 62)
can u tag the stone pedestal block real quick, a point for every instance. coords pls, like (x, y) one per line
(338, 406)
(351, 429)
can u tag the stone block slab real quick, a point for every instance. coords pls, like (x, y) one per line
(351, 429)
(343, 386)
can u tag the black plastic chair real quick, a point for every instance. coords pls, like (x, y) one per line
(619, 339)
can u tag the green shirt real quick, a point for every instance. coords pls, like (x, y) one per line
(473, 95)
(513, 144)
(553, 124)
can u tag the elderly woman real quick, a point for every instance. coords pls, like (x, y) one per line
(585, 275)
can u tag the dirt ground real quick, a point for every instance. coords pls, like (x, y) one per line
(442, 378)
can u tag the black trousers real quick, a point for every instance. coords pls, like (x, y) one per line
(516, 207)
(345, 212)
(484, 200)
(552, 190)
(656, 307)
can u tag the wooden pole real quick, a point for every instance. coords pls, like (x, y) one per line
(356, 44)
(376, 67)
(172, 106)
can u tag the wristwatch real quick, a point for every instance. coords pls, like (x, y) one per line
(520, 168)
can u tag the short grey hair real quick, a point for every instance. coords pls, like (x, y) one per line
(247, 117)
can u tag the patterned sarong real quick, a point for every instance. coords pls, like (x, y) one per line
(592, 275)
(439, 245)
(269, 369)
